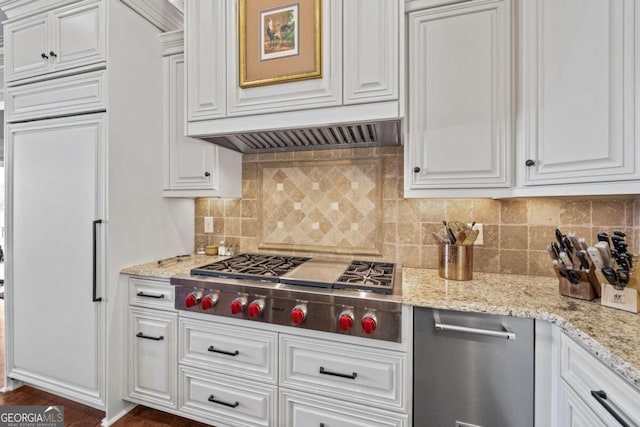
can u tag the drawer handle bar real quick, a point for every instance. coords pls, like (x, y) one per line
(141, 335)
(228, 353)
(507, 333)
(142, 294)
(338, 374)
(220, 402)
(601, 397)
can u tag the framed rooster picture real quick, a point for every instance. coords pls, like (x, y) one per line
(280, 41)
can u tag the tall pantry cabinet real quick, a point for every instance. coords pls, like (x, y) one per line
(84, 190)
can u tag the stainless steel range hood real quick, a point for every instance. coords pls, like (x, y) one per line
(349, 135)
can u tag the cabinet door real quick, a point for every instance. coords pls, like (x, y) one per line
(578, 91)
(371, 50)
(78, 35)
(459, 133)
(191, 162)
(152, 356)
(26, 46)
(56, 192)
(301, 409)
(206, 36)
(573, 412)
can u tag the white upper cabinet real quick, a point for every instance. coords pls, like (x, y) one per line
(578, 93)
(371, 51)
(459, 98)
(65, 38)
(360, 53)
(205, 48)
(192, 167)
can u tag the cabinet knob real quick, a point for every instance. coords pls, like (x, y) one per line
(529, 162)
(416, 169)
(44, 55)
(53, 54)
(207, 174)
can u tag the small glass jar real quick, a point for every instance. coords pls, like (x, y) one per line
(222, 250)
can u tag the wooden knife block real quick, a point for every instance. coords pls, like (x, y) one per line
(587, 288)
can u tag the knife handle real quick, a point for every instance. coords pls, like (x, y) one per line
(596, 257)
(566, 260)
(605, 252)
(582, 256)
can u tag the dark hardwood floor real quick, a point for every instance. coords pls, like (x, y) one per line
(77, 415)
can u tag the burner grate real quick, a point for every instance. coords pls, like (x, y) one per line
(252, 266)
(368, 275)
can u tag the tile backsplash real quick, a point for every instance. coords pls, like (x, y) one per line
(516, 231)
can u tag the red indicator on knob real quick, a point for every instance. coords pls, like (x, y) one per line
(345, 320)
(255, 308)
(191, 300)
(369, 323)
(237, 305)
(209, 301)
(298, 313)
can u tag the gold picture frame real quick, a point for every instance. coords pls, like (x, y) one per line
(280, 41)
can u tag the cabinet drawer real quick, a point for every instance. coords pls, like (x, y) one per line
(232, 350)
(584, 373)
(226, 401)
(59, 97)
(296, 409)
(151, 293)
(344, 371)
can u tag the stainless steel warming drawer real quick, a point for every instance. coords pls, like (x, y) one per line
(472, 370)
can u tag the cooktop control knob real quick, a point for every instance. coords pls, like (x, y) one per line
(256, 307)
(237, 305)
(298, 313)
(346, 320)
(369, 322)
(193, 299)
(209, 301)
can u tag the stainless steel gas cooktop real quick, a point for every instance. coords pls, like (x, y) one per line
(356, 298)
(371, 276)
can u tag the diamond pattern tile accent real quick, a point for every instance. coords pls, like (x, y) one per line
(323, 206)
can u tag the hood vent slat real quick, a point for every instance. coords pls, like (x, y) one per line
(327, 137)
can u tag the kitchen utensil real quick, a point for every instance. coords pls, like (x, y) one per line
(612, 276)
(471, 237)
(559, 237)
(452, 237)
(552, 253)
(566, 260)
(582, 257)
(603, 237)
(619, 233)
(583, 243)
(596, 257)
(605, 252)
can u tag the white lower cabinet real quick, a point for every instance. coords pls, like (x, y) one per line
(229, 349)
(300, 409)
(573, 411)
(227, 401)
(234, 374)
(591, 393)
(152, 361)
(152, 341)
(343, 371)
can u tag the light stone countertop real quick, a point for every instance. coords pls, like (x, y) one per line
(611, 335)
(171, 267)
